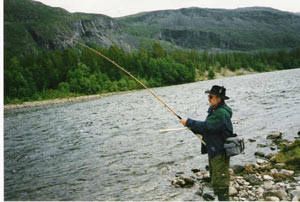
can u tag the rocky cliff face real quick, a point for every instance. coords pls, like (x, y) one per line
(30, 26)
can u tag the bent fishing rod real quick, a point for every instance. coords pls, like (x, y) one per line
(142, 84)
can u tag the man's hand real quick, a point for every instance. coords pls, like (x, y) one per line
(183, 121)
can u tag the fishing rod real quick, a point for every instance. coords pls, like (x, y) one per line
(128, 73)
(142, 84)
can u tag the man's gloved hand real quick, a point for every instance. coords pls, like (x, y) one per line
(183, 121)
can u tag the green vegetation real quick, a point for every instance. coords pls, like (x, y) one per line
(78, 71)
(290, 155)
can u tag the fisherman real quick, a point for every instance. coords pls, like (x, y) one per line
(215, 129)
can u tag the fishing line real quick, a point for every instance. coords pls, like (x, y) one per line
(129, 74)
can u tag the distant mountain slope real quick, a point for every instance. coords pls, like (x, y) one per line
(238, 29)
(30, 26)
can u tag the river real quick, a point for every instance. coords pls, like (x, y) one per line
(111, 148)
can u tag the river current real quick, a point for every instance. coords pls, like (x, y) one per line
(111, 148)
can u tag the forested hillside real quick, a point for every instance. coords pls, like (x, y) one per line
(78, 71)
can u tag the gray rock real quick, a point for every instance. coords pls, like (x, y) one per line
(188, 180)
(295, 198)
(253, 179)
(200, 192)
(295, 193)
(195, 170)
(258, 153)
(279, 165)
(235, 198)
(232, 191)
(238, 169)
(268, 177)
(251, 140)
(177, 174)
(275, 136)
(261, 145)
(273, 148)
(206, 177)
(261, 161)
(268, 185)
(208, 197)
(274, 171)
(281, 194)
(272, 198)
(286, 172)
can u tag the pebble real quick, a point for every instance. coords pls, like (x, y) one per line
(206, 177)
(279, 165)
(195, 170)
(261, 145)
(251, 140)
(252, 179)
(208, 197)
(238, 169)
(268, 177)
(272, 198)
(177, 174)
(286, 172)
(281, 194)
(295, 193)
(261, 161)
(275, 136)
(258, 153)
(200, 192)
(274, 171)
(268, 185)
(232, 191)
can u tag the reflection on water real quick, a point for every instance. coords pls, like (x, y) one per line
(110, 149)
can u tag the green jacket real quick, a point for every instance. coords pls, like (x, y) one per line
(215, 129)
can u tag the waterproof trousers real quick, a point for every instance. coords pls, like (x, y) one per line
(220, 177)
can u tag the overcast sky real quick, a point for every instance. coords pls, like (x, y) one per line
(117, 8)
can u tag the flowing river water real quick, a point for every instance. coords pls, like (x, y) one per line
(111, 148)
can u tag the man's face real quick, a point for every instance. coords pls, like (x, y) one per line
(213, 100)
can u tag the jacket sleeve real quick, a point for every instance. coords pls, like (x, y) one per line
(213, 124)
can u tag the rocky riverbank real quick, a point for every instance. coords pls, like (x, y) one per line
(273, 177)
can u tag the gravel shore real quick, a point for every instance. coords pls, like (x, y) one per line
(60, 101)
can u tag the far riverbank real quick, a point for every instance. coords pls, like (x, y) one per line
(223, 72)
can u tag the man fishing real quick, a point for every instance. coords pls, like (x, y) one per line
(215, 129)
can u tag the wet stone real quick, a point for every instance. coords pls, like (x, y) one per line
(279, 165)
(261, 161)
(275, 136)
(195, 170)
(272, 198)
(252, 140)
(200, 192)
(253, 179)
(232, 191)
(286, 172)
(261, 154)
(261, 145)
(268, 185)
(208, 197)
(238, 169)
(268, 177)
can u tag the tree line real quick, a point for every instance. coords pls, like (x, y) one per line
(77, 71)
